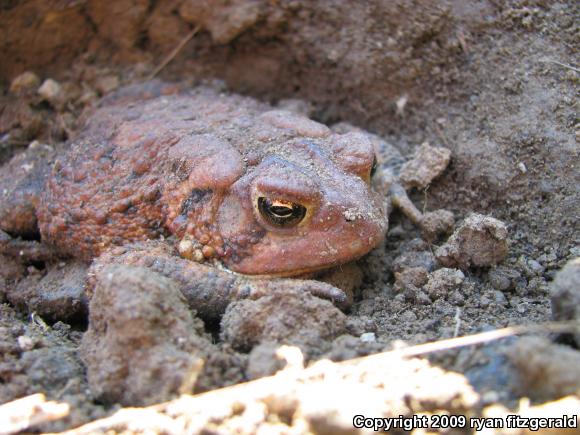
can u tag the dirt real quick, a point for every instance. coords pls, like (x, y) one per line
(493, 82)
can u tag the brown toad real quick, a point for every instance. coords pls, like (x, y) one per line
(264, 192)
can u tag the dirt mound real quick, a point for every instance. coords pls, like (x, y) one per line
(494, 83)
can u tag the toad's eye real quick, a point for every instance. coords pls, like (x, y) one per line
(374, 166)
(280, 212)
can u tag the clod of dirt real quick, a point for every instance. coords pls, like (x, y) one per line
(443, 281)
(225, 20)
(347, 347)
(36, 357)
(51, 91)
(296, 105)
(107, 84)
(10, 268)
(119, 22)
(503, 278)
(479, 241)
(25, 83)
(427, 164)
(415, 253)
(19, 120)
(50, 368)
(21, 180)
(143, 345)
(436, 223)
(288, 317)
(263, 360)
(547, 371)
(409, 282)
(566, 294)
(58, 295)
(412, 276)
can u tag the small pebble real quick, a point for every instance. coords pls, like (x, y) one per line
(50, 90)
(565, 295)
(479, 241)
(25, 82)
(503, 278)
(484, 302)
(427, 164)
(535, 266)
(368, 337)
(25, 343)
(107, 84)
(499, 297)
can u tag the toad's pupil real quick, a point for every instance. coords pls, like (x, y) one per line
(281, 212)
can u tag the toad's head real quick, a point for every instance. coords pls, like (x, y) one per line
(305, 204)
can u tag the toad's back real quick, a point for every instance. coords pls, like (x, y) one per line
(230, 176)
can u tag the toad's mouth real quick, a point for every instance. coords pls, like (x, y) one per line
(307, 272)
(307, 255)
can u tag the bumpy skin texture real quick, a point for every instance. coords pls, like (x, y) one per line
(168, 179)
(194, 165)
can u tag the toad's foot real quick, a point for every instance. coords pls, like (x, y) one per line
(208, 290)
(432, 224)
(427, 164)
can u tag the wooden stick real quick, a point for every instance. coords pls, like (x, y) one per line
(21, 414)
(174, 52)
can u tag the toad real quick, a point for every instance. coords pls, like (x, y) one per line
(220, 192)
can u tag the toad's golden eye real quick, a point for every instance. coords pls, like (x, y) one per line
(374, 166)
(280, 212)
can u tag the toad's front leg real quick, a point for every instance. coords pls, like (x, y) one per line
(207, 289)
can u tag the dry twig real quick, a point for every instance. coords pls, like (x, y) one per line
(174, 52)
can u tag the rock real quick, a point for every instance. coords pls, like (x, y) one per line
(499, 298)
(480, 241)
(436, 223)
(10, 268)
(427, 164)
(51, 91)
(443, 281)
(51, 368)
(503, 278)
(296, 105)
(107, 84)
(285, 316)
(547, 371)
(415, 253)
(264, 361)
(24, 83)
(165, 28)
(59, 295)
(225, 20)
(120, 22)
(412, 276)
(565, 294)
(142, 346)
(368, 337)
